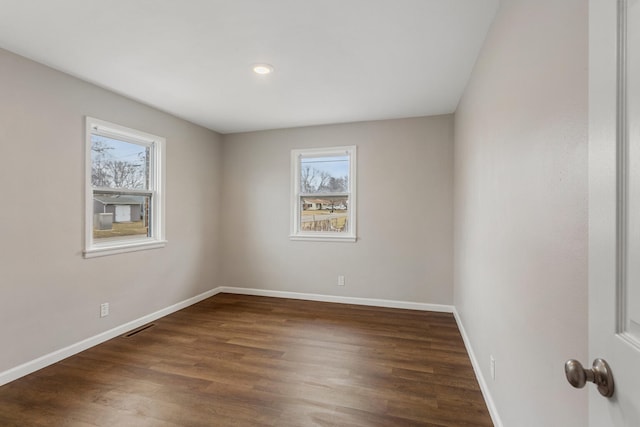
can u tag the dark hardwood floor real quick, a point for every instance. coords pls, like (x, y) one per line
(235, 360)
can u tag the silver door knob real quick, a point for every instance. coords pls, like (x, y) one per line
(600, 374)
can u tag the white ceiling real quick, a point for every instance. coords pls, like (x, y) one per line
(335, 60)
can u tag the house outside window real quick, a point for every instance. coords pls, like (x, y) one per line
(323, 193)
(124, 189)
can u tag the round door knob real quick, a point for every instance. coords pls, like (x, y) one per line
(600, 374)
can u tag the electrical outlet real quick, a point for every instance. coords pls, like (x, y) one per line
(104, 309)
(340, 280)
(492, 362)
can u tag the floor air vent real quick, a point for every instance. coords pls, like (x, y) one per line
(138, 330)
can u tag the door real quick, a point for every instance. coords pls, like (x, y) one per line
(123, 213)
(614, 207)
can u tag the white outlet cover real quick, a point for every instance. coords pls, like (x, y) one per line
(493, 367)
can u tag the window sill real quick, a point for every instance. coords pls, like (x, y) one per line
(322, 238)
(112, 249)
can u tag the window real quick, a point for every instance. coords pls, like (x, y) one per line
(124, 182)
(323, 187)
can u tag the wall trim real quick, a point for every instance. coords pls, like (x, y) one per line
(58, 355)
(374, 302)
(484, 387)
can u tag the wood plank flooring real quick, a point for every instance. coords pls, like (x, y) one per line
(236, 360)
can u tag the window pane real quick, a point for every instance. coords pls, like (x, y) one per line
(324, 213)
(119, 164)
(324, 174)
(120, 216)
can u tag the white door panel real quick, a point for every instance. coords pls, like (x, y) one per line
(614, 207)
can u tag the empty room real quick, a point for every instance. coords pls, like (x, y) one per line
(319, 213)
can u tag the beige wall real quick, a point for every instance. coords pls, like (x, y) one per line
(404, 248)
(521, 209)
(49, 294)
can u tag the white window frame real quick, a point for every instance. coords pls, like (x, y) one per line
(328, 236)
(156, 144)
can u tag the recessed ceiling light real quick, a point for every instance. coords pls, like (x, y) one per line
(262, 69)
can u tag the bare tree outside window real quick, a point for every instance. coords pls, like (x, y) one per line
(118, 164)
(324, 175)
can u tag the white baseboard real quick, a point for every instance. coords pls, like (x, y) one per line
(493, 411)
(407, 305)
(56, 356)
(51, 358)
